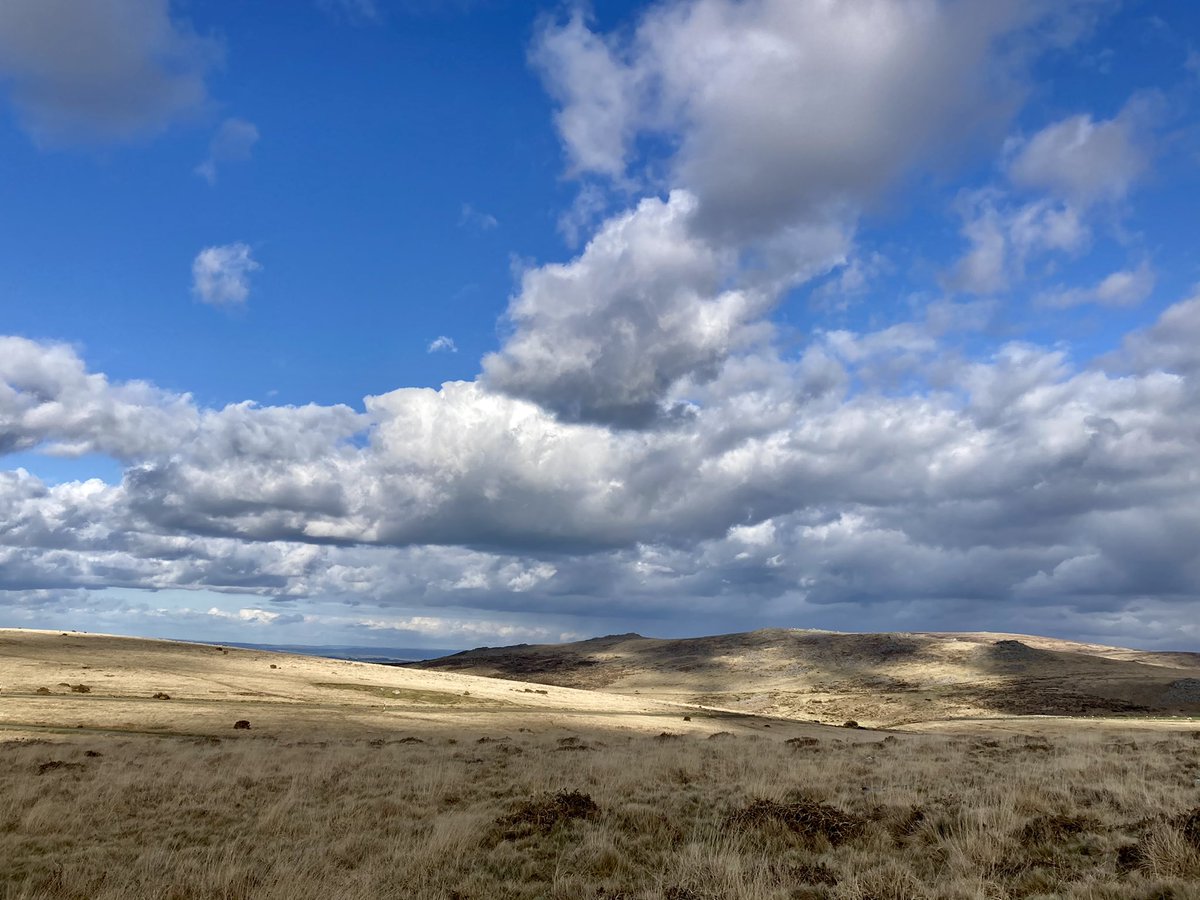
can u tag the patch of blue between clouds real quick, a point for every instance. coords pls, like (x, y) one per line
(62, 469)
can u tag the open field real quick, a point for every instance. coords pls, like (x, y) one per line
(599, 813)
(361, 781)
(290, 696)
(890, 680)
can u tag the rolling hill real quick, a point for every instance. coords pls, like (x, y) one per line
(79, 683)
(888, 680)
(146, 769)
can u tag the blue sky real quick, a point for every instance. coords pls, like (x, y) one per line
(422, 323)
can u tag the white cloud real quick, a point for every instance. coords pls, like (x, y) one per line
(604, 337)
(781, 111)
(589, 205)
(104, 69)
(1037, 487)
(851, 281)
(252, 616)
(781, 121)
(984, 268)
(221, 275)
(639, 448)
(1079, 163)
(233, 142)
(442, 344)
(1004, 237)
(1085, 161)
(1125, 287)
(470, 216)
(49, 399)
(471, 630)
(1171, 343)
(598, 94)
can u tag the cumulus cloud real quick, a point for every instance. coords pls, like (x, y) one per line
(1004, 236)
(1075, 165)
(882, 84)
(765, 181)
(588, 207)
(1083, 160)
(468, 630)
(1125, 287)
(604, 338)
(233, 142)
(107, 69)
(253, 616)
(783, 490)
(852, 280)
(49, 399)
(221, 275)
(598, 94)
(642, 442)
(1171, 343)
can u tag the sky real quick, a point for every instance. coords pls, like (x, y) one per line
(448, 323)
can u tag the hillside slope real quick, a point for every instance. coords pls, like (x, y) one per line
(52, 681)
(880, 679)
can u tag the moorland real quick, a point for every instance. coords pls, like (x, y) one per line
(124, 774)
(917, 680)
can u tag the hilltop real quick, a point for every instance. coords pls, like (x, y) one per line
(892, 679)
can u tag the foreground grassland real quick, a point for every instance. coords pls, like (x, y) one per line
(601, 813)
(122, 775)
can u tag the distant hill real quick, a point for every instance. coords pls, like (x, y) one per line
(382, 655)
(890, 679)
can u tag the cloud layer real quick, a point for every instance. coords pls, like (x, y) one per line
(1039, 488)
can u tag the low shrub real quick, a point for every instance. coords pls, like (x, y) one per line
(542, 813)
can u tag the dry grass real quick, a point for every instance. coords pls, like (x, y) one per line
(135, 685)
(358, 781)
(880, 680)
(623, 816)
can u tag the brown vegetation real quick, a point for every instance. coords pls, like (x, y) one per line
(747, 817)
(881, 680)
(361, 781)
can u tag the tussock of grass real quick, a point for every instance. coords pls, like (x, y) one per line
(808, 819)
(251, 816)
(542, 814)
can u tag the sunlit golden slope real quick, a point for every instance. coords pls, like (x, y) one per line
(52, 681)
(882, 679)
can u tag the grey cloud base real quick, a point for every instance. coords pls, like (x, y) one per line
(101, 70)
(1044, 491)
